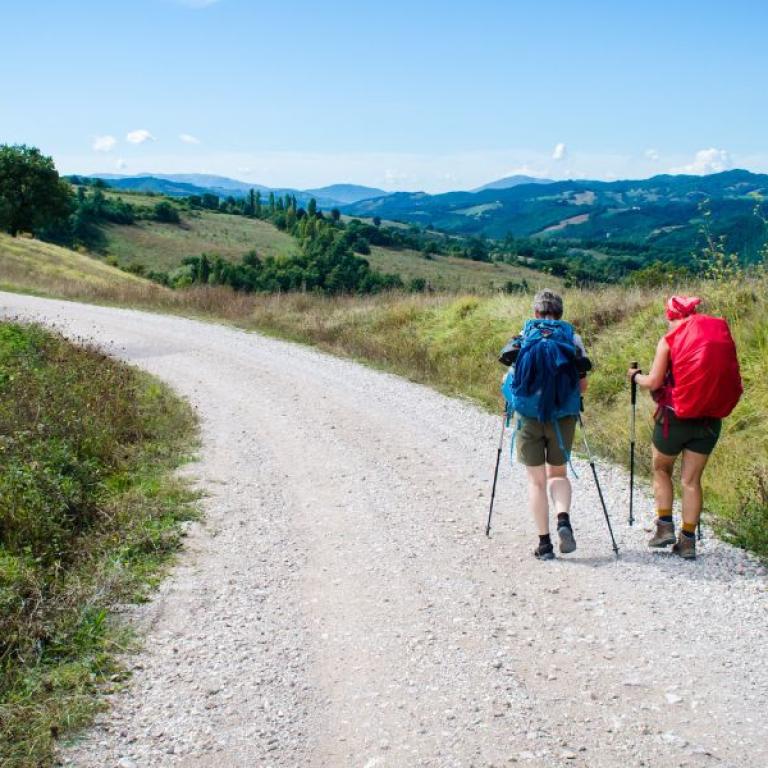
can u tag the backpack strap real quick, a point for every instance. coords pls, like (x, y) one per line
(561, 445)
(512, 441)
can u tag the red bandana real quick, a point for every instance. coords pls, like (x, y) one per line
(679, 307)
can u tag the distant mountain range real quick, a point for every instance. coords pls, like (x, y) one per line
(184, 184)
(512, 181)
(664, 212)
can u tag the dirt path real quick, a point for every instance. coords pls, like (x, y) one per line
(341, 606)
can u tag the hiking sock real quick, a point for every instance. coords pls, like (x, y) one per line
(564, 518)
(545, 540)
(665, 515)
(689, 530)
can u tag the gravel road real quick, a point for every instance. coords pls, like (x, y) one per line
(340, 606)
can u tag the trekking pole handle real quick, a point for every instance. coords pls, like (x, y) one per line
(634, 364)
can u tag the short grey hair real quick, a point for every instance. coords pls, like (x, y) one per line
(548, 304)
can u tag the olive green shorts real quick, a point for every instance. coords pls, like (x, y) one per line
(537, 442)
(697, 435)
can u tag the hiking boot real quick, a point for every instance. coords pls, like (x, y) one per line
(567, 541)
(685, 547)
(664, 536)
(544, 552)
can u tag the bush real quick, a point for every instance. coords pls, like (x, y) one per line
(167, 213)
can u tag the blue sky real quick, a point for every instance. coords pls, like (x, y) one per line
(413, 95)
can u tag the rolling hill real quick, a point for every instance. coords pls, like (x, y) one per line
(661, 213)
(32, 265)
(158, 246)
(346, 193)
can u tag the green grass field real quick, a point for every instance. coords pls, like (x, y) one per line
(449, 273)
(138, 199)
(27, 264)
(162, 246)
(90, 515)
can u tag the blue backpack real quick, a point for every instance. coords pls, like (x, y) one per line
(544, 384)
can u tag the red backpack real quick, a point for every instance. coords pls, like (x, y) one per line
(704, 379)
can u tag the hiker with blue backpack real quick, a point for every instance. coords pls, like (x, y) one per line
(543, 389)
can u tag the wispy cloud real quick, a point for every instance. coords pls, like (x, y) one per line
(707, 161)
(139, 136)
(121, 164)
(559, 152)
(104, 143)
(188, 138)
(652, 154)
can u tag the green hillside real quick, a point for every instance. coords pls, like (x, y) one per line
(161, 246)
(32, 265)
(449, 273)
(158, 245)
(663, 214)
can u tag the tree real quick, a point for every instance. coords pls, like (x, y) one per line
(312, 208)
(210, 201)
(377, 221)
(257, 205)
(166, 213)
(32, 196)
(250, 206)
(335, 214)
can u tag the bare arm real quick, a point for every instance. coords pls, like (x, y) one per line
(655, 378)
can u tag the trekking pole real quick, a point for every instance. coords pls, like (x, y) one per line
(496, 470)
(633, 397)
(591, 459)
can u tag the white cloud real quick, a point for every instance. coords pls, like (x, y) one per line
(139, 136)
(559, 151)
(652, 154)
(104, 143)
(394, 178)
(121, 164)
(188, 138)
(706, 161)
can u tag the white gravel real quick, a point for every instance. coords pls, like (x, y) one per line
(342, 607)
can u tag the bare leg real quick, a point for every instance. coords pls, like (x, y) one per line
(537, 498)
(663, 491)
(559, 487)
(690, 479)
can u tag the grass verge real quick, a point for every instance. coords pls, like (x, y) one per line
(89, 516)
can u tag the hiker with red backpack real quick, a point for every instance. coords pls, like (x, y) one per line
(695, 382)
(544, 391)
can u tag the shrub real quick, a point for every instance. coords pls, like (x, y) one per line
(167, 213)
